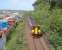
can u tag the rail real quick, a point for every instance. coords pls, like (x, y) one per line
(34, 43)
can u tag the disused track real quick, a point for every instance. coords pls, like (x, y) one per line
(35, 43)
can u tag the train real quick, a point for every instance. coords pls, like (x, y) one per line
(35, 28)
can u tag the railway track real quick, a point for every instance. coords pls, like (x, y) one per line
(35, 43)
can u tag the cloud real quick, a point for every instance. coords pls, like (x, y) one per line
(21, 1)
(15, 2)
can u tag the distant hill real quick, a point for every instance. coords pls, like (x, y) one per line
(12, 11)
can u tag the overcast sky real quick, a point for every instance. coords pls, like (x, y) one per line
(16, 4)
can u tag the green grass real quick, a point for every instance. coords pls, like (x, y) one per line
(17, 40)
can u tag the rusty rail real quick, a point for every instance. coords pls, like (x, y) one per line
(34, 43)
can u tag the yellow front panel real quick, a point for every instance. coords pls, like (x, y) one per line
(36, 30)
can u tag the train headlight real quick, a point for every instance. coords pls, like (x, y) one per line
(33, 31)
(39, 31)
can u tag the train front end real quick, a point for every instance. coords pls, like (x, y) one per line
(36, 31)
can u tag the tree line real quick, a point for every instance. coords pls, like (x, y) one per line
(48, 13)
